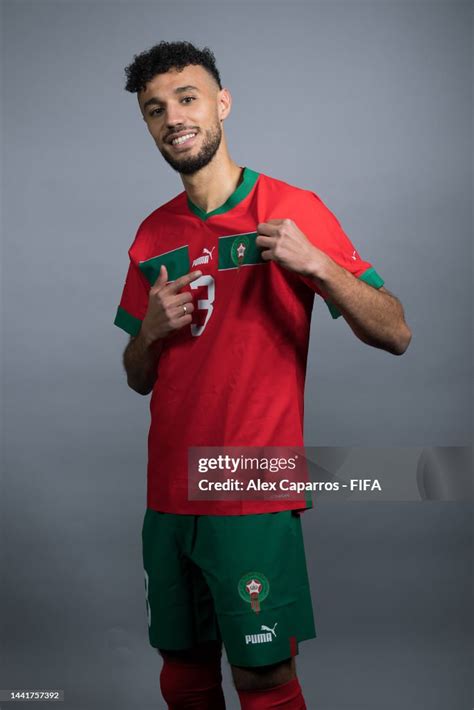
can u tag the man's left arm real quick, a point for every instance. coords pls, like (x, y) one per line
(375, 315)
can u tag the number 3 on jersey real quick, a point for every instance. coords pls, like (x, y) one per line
(204, 304)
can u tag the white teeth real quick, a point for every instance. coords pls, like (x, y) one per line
(182, 139)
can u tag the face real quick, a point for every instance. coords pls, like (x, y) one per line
(184, 111)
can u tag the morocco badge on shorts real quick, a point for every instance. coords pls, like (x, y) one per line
(238, 249)
(253, 588)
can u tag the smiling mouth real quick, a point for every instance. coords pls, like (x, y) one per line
(183, 140)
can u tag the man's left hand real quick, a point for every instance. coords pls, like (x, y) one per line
(283, 242)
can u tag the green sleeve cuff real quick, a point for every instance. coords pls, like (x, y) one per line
(128, 323)
(370, 276)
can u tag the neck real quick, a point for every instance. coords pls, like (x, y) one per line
(210, 187)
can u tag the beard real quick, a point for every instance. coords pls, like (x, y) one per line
(189, 165)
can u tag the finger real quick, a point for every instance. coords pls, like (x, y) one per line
(179, 312)
(267, 255)
(183, 281)
(269, 228)
(162, 277)
(185, 320)
(180, 321)
(265, 242)
(181, 299)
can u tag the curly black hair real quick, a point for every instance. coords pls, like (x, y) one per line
(165, 56)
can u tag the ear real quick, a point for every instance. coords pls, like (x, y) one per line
(224, 101)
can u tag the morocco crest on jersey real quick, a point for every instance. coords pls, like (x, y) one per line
(238, 249)
(253, 588)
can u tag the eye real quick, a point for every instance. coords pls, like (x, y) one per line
(155, 112)
(192, 98)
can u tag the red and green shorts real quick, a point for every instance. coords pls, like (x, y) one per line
(241, 579)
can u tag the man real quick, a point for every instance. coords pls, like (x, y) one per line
(217, 301)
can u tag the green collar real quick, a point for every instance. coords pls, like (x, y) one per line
(249, 178)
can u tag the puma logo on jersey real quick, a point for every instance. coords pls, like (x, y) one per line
(205, 258)
(267, 628)
(261, 638)
(354, 256)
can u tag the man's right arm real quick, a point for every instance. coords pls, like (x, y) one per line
(140, 360)
(168, 311)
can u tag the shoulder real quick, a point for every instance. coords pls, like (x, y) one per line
(281, 188)
(158, 223)
(292, 197)
(166, 212)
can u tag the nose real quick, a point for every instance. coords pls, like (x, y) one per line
(174, 115)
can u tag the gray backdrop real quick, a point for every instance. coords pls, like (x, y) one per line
(369, 105)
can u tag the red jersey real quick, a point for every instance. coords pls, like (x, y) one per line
(235, 376)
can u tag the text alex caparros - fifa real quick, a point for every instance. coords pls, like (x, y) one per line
(235, 484)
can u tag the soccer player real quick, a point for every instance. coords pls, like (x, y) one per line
(217, 301)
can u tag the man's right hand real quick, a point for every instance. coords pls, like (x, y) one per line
(168, 310)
